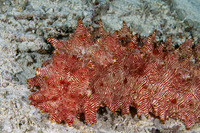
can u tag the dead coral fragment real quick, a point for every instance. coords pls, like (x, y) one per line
(94, 69)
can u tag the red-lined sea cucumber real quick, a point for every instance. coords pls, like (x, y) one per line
(94, 68)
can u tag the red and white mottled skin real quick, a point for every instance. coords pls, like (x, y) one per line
(95, 68)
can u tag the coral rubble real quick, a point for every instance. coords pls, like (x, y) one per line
(95, 68)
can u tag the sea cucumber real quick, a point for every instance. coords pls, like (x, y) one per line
(95, 68)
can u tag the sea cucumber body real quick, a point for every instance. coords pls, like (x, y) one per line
(95, 68)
